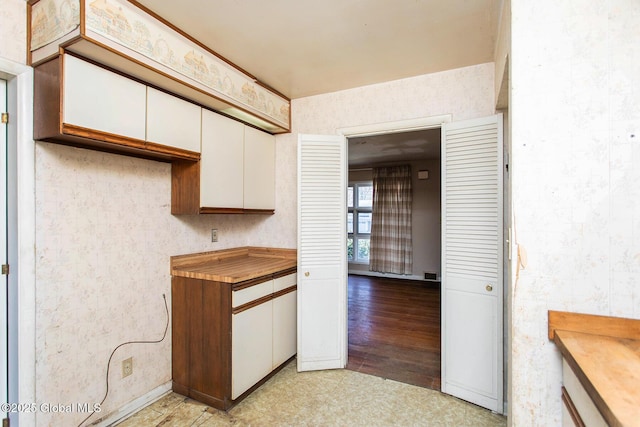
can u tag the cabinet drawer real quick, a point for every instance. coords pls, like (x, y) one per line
(284, 282)
(251, 293)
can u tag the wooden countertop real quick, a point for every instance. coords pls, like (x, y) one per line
(604, 353)
(233, 265)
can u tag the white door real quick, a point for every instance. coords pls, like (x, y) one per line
(322, 269)
(472, 252)
(3, 249)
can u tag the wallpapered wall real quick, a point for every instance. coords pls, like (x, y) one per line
(105, 236)
(575, 88)
(13, 30)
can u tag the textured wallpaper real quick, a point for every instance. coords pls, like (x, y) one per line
(13, 30)
(576, 198)
(104, 238)
(105, 235)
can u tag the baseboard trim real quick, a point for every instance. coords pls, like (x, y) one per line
(391, 275)
(135, 405)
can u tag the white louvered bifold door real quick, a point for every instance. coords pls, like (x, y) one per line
(472, 248)
(322, 277)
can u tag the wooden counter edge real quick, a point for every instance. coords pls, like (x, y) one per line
(186, 260)
(616, 327)
(595, 396)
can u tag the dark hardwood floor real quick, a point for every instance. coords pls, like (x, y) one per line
(394, 329)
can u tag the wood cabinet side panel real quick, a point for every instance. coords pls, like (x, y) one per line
(185, 187)
(47, 100)
(180, 327)
(211, 333)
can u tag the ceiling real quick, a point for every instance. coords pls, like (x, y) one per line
(307, 47)
(395, 147)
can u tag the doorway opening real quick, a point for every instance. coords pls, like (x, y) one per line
(394, 320)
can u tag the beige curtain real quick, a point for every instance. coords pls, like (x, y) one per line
(391, 248)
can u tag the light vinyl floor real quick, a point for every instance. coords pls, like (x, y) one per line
(323, 398)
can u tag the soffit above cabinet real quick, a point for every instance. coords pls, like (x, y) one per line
(127, 37)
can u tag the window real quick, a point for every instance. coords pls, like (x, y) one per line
(359, 204)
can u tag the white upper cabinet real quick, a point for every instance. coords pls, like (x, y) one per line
(172, 121)
(259, 169)
(221, 162)
(97, 99)
(237, 166)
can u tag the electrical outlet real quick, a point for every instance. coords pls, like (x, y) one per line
(214, 234)
(127, 367)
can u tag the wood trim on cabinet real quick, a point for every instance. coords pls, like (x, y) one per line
(249, 283)
(205, 210)
(252, 304)
(97, 135)
(259, 211)
(571, 408)
(285, 272)
(262, 300)
(83, 20)
(285, 291)
(173, 152)
(30, 4)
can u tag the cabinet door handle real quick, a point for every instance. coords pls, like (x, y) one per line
(306, 274)
(489, 288)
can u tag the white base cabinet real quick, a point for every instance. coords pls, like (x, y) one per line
(577, 407)
(263, 329)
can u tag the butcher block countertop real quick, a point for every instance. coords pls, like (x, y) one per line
(604, 353)
(233, 265)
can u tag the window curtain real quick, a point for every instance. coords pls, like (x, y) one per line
(391, 249)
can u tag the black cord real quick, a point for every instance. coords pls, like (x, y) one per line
(166, 328)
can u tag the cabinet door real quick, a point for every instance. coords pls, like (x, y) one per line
(98, 99)
(251, 348)
(259, 169)
(284, 328)
(172, 121)
(221, 170)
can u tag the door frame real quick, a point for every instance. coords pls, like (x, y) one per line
(21, 194)
(4, 365)
(372, 129)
